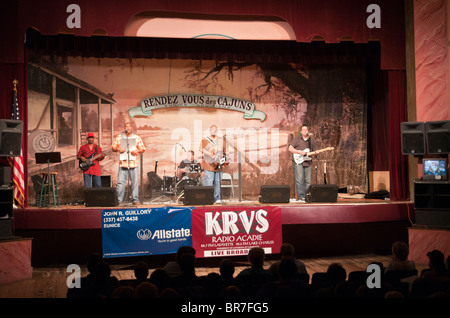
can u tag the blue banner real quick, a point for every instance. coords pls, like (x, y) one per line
(138, 232)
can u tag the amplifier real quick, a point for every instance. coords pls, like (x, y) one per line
(322, 193)
(275, 194)
(100, 197)
(198, 195)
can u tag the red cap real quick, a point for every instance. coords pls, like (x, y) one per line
(90, 135)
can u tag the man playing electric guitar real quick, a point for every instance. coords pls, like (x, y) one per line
(301, 145)
(89, 156)
(213, 150)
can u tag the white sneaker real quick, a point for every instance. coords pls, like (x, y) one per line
(301, 200)
(218, 202)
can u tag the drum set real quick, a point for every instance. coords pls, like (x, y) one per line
(173, 186)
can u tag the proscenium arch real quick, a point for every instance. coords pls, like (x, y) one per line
(177, 25)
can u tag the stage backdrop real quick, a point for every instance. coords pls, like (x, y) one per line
(171, 103)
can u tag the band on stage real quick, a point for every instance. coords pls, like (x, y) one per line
(204, 169)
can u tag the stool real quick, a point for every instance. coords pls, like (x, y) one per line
(47, 186)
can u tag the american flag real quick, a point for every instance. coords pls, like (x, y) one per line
(17, 162)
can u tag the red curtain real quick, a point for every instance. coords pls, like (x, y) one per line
(398, 163)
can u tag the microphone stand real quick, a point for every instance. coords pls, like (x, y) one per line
(128, 168)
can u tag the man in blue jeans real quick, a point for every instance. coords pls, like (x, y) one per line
(301, 145)
(129, 146)
(89, 155)
(213, 149)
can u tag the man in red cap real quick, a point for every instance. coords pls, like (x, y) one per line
(89, 156)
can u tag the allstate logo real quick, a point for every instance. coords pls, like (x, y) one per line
(144, 234)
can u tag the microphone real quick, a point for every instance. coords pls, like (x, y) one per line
(181, 146)
(126, 131)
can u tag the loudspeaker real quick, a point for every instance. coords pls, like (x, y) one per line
(10, 137)
(413, 138)
(5, 176)
(6, 201)
(105, 181)
(198, 195)
(275, 194)
(438, 137)
(322, 193)
(100, 197)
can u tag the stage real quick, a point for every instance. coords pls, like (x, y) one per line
(68, 234)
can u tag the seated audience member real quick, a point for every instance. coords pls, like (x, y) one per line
(102, 285)
(400, 261)
(146, 290)
(188, 284)
(251, 279)
(141, 272)
(287, 252)
(172, 268)
(436, 265)
(93, 260)
(160, 279)
(336, 274)
(227, 272)
(288, 284)
(214, 286)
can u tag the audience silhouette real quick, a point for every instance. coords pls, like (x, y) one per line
(178, 279)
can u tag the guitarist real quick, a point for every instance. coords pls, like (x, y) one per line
(302, 172)
(85, 154)
(213, 148)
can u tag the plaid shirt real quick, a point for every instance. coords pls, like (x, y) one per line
(132, 163)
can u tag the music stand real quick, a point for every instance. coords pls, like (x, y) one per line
(48, 158)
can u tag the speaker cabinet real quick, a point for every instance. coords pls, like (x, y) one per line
(102, 197)
(322, 193)
(5, 176)
(6, 202)
(106, 181)
(413, 138)
(438, 137)
(275, 194)
(198, 195)
(10, 137)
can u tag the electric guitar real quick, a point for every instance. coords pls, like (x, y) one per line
(218, 158)
(89, 162)
(299, 159)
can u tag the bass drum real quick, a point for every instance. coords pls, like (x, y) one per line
(185, 182)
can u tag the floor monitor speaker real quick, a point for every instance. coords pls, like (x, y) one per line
(322, 193)
(100, 197)
(275, 194)
(198, 195)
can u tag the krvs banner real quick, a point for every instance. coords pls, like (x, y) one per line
(234, 231)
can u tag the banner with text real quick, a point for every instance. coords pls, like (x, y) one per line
(137, 232)
(231, 231)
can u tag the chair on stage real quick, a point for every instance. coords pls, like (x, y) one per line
(228, 183)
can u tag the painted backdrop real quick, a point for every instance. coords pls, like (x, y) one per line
(71, 96)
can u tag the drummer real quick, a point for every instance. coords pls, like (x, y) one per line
(189, 167)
